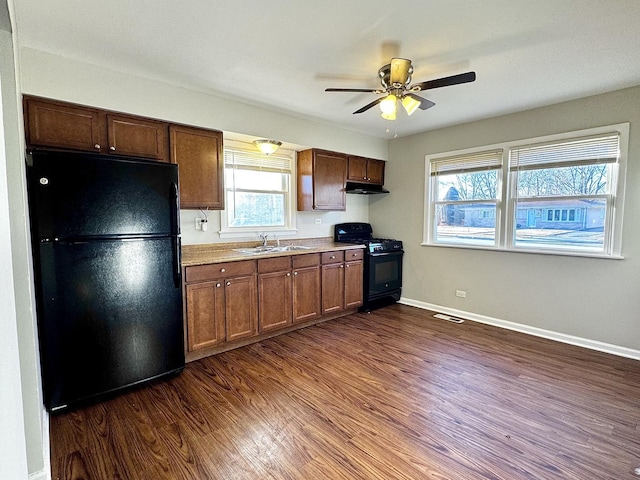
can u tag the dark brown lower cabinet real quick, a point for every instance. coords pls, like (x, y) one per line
(220, 303)
(235, 301)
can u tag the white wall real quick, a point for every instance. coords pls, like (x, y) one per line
(589, 298)
(13, 457)
(20, 311)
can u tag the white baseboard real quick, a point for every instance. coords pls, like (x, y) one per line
(538, 332)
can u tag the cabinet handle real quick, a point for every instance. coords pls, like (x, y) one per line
(112, 148)
(217, 285)
(97, 146)
(222, 270)
(228, 283)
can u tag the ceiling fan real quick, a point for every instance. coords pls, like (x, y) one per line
(395, 78)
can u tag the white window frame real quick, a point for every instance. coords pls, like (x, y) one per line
(282, 157)
(506, 209)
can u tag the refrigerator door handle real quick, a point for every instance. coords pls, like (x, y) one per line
(177, 273)
(176, 209)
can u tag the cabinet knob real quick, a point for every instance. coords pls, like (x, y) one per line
(355, 254)
(97, 146)
(364, 178)
(341, 266)
(288, 274)
(369, 179)
(222, 270)
(295, 273)
(332, 257)
(112, 148)
(228, 283)
(217, 285)
(348, 265)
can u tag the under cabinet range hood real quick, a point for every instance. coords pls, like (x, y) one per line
(364, 189)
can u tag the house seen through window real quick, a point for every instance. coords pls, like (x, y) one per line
(560, 194)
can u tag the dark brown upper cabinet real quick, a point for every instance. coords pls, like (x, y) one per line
(322, 176)
(55, 124)
(365, 170)
(198, 153)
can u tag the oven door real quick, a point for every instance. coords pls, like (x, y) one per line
(383, 274)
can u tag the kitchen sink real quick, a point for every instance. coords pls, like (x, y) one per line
(262, 249)
(254, 249)
(289, 248)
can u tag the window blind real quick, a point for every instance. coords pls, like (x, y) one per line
(570, 153)
(255, 161)
(473, 162)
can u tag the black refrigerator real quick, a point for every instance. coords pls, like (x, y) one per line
(106, 250)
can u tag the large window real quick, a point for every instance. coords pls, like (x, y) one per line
(561, 194)
(466, 197)
(258, 192)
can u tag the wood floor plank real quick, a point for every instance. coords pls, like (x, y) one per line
(394, 394)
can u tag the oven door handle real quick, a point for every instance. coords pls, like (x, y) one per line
(386, 254)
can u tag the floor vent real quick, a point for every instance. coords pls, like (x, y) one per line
(448, 318)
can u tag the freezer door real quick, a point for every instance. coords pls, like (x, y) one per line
(75, 195)
(109, 316)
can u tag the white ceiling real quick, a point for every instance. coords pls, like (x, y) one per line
(282, 54)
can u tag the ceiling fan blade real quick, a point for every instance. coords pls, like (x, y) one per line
(369, 105)
(424, 103)
(366, 90)
(400, 70)
(444, 82)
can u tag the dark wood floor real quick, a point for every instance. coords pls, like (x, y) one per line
(394, 394)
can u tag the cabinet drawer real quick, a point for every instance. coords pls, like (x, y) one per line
(306, 260)
(355, 254)
(212, 271)
(333, 257)
(278, 264)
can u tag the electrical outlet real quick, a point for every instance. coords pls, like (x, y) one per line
(201, 224)
(318, 221)
(461, 294)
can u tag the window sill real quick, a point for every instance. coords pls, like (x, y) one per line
(528, 251)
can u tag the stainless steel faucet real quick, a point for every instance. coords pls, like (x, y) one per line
(264, 237)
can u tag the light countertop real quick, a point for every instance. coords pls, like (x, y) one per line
(225, 252)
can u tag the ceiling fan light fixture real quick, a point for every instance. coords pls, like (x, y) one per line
(388, 105)
(389, 116)
(410, 104)
(267, 146)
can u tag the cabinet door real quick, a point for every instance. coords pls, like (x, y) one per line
(137, 137)
(52, 124)
(274, 304)
(240, 307)
(329, 179)
(375, 171)
(306, 294)
(353, 284)
(198, 154)
(357, 171)
(205, 315)
(332, 288)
